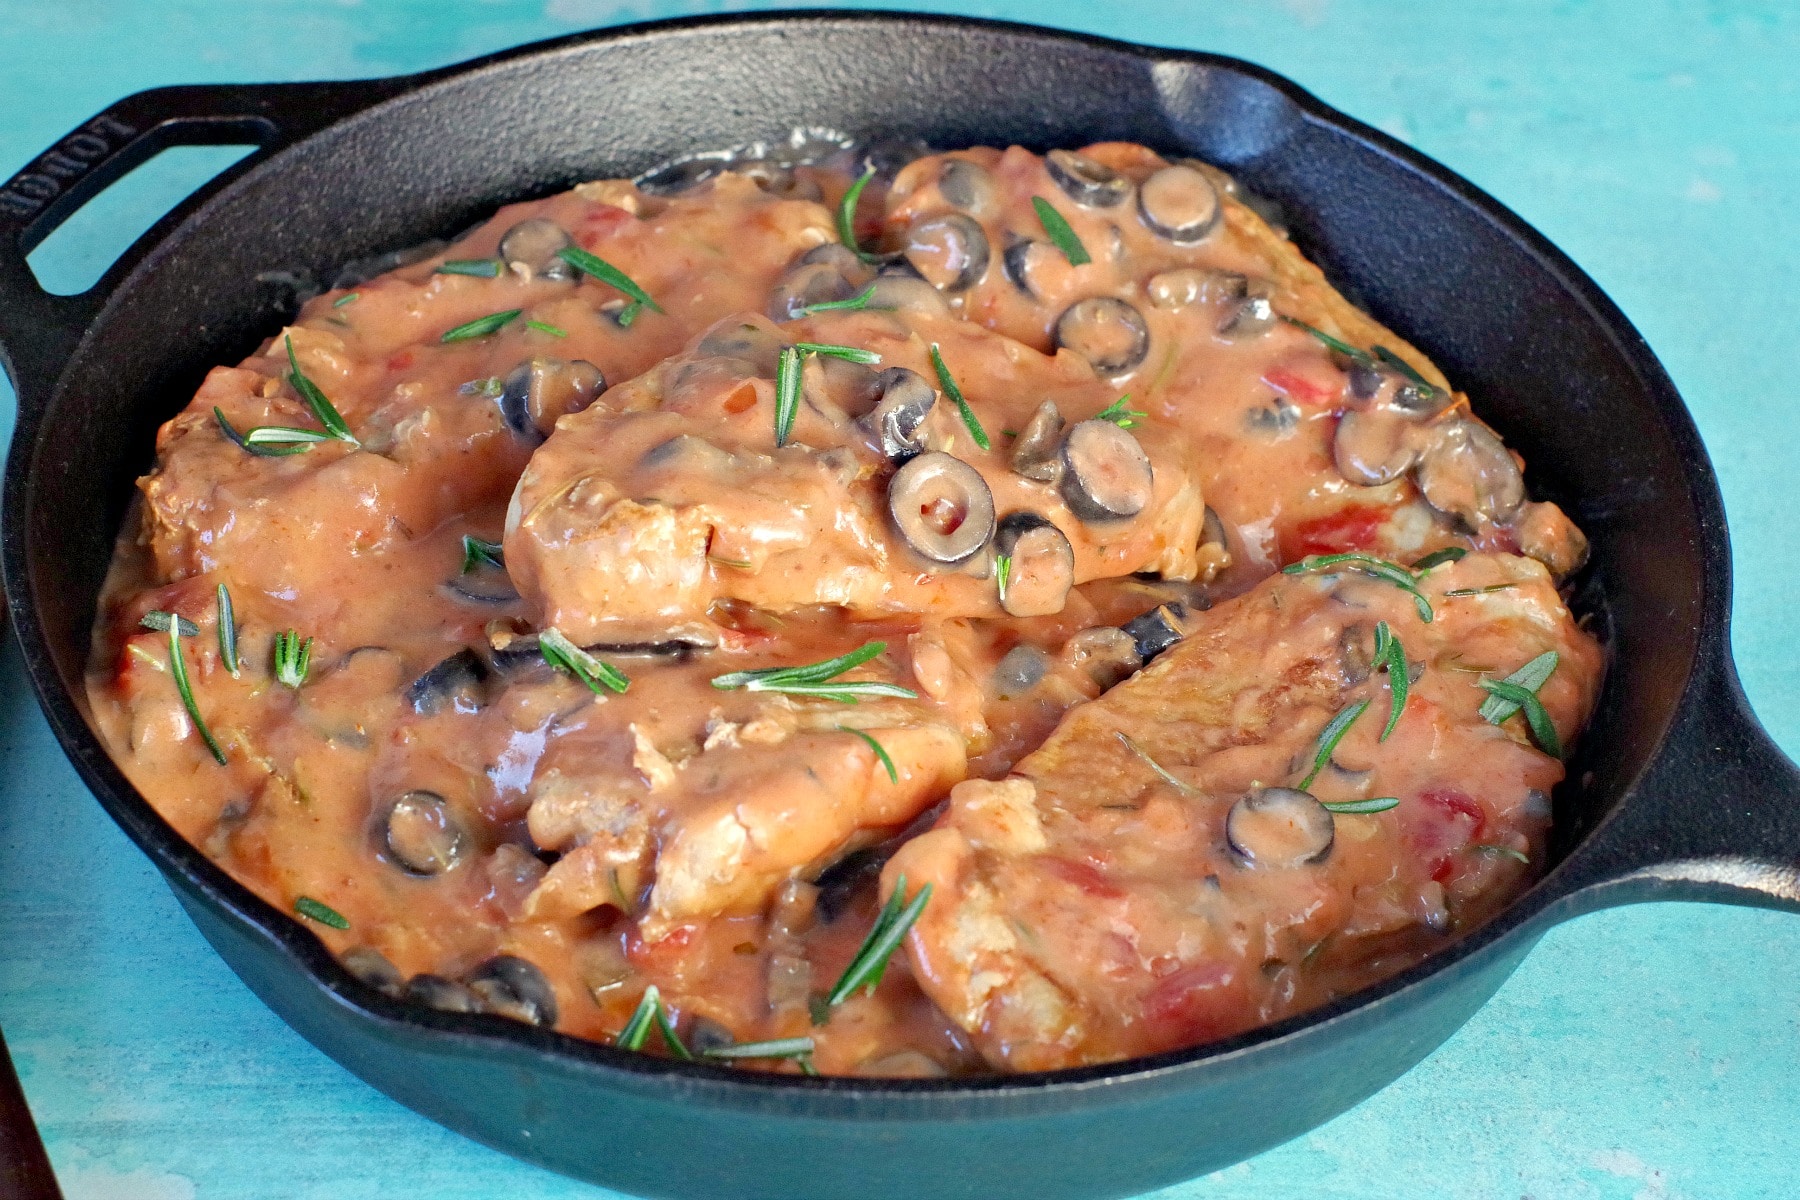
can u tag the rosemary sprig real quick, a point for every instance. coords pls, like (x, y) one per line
(228, 650)
(243, 443)
(315, 399)
(787, 392)
(1118, 414)
(343, 300)
(794, 1047)
(817, 679)
(1374, 804)
(880, 752)
(948, 383)
(1508, 851)
(482, 268)
(565, 655)
(282, 435)
(648, 1013)
(1543, 729)
(1331, 343)
(1480, 591)
(1182, 786)
(176, 626)
(846, 216)
(870, 963)
(847, 353)
(1405, 368)
(480, 326)
(1329, 737)
(546, 327)
(1003, 573)
(1366, 564)
(855, 303)
(292, 658)
(1060, 233)
(477, 553)
(1531, 676)
(605, 272)
(324, 914)
(1389, 652)
(1438, 558)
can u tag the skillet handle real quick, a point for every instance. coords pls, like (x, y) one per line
(39, 331)
(1716, 819)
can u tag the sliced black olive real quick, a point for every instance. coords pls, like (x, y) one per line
(1106, 331)
(1086, 182)
(670, 179)
(1212, 530)
(539, 390)
(421, 835)
(840, 883)
(1155, 631)
(1280, 827)
(1277, 418)
(1252, 315)
(454, 685)
(967, 185)
(1037, 451)
(942, 507)
(1042, 565)
(484, 585)
(1022, 258)
(1105, 653)
(1179, 203)
(1467, 472)
(372, 968)
(779, 179)
(904, 400)
(1195, 285)
(949, 250)
(704, 1034)
(822, 275)
(1365, 380)
(534, 243)
(885, 156)
(899, 288)
(513, 987)
(1019, 670)
(1106, 475)
(514, 654)
(445, 995)
(756, 345)
(1372, 446)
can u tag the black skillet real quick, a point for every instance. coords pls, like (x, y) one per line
(1676, 793)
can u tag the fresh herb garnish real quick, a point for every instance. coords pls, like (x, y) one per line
(847, 353)
(238, 439)
(855, 303)
(343, 300)
(491, 386)
(480, 326)
(876, 746)
(1531, 676)
(315, 399)
(787, 392)
(546, 327)
(228, 651)
(1389, 653)
(1366, 564)
(1480, 591)
(1373, 805)
(870, 963)
(484, 268)
(948, 383)
(282, 435)
(1003, 573)
(605, 272)
(1543, 729)
(1118, 414)
(324, 914)
(794, 1047)
(1331, 343)
(1405, 368)
(292, 658)
(649, 1012)
(1438, 558)
(565, 655)
(629, 313)
(817, 679)
(175, 626)
(1329, 737)
(1060, 233)
(477, 552)
(1508, 851)
(1185, 788)
(846, 215)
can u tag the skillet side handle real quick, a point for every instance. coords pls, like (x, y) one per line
(39, 331)
(1717, 819)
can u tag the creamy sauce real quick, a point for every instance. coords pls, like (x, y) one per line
(450, 795)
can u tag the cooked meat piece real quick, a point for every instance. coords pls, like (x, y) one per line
(1091, 907)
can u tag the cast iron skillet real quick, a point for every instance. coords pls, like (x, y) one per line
(1676, 794)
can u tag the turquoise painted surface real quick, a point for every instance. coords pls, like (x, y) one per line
(1651, 1053)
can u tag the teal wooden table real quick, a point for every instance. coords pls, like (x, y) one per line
(1650, 1053)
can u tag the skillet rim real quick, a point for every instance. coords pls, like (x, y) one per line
(1560, 892)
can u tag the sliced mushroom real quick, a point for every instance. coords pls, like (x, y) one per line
(1373, 446)
(540, 390)
(1280, 827)
(445, 995)
(1086, 182)
(967, 185)
(1019, 670)
(535, 244)
(371, 967)
(421, 835)
(949, 250)
(942, 507)
(1107, 654)
(1106, 475)
(510, 986)
(903, 400)
(1106, 331)
(1180, 204)
(1037, 451)
(822, 275)
(1467, 472)
(1041, 566)
(900, 289)
(455, 684)
(1155, 631)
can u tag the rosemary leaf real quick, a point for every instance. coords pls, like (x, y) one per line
(876, 746)
(794, 1047)
(343, 300)
(847, 353)
(324, 914)
(642, 1018)
(1118, 414)
(846, 215)
(1329, 737)
(546, 327)
(477, 552)
(787, 392)
(855, 303)
(1438, 558)
(1531, 676)
(292, 658)
(948, 383)
(1002, 573)
(1060, 233)
(605, 272)
(178, 668)
(228, 651)
(1373, 805)
(482, 268)
(1405, 368)
(565, 655)
(243, 443)
(1389, 652)
(870, 963)
(1537, 718)
(1331, 343)
(1508, 851)
(480, 326)
(818, 679)
(1480, 591)
(280, 435)
(670, 1038)
(1366, 564)
(322, 408)
(163, 621)
(1182, 786)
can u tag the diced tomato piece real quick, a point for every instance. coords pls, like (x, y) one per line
(600, 222)
(1195, 1004)
(1353, 527)
(1083, 875)
(1456, 802)
(1450, 820)
(400, 361)
(663, 954)
(1303, 388)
